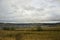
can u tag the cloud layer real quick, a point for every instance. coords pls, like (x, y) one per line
(29, 11)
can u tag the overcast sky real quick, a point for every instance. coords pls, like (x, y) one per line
(29, 11)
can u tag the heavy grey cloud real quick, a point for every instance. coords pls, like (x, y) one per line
(29, 11)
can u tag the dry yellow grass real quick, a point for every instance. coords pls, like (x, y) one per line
(29, 35)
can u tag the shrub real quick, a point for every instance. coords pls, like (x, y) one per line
(39, 29)
(8, 28)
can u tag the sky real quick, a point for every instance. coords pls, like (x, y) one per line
(29, 11)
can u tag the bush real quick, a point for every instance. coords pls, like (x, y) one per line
(39, 29)
(8, 28)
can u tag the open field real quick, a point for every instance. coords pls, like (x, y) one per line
(29, 35)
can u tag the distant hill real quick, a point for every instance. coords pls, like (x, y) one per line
(27, 24)
(31, 26)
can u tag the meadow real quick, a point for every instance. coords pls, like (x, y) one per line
(29, 35)
(32, 33)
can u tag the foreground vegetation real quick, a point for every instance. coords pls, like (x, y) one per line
(29, 35)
